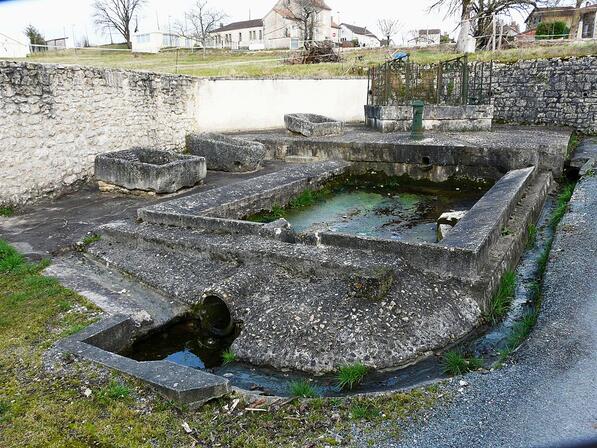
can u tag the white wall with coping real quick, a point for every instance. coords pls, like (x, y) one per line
(249, 104)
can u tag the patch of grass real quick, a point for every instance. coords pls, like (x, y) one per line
(242, 64)
(500, 303)
(351, 375)
(228, 357)
(115, 390)
(360, 411)
(73, 329)
(520, 332)
(562, 205)
(7, 212)
(532, 236)
(573, 144)
(90, 239)
(42, 408)
(455, 363)
(302, 389)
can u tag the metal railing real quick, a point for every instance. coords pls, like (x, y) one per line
(454, 82)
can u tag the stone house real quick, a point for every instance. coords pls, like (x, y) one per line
(280, 28)
(350, 33)
(582, 23)
(247, 34)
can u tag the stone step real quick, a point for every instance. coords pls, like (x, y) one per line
(185, 262)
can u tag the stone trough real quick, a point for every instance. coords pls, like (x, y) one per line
(149, 170)
(312, 125)
(224, 153)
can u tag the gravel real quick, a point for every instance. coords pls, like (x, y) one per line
(546, 395)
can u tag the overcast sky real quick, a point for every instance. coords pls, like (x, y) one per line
(56, 18)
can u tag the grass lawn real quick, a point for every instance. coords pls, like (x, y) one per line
(224, 63)
(79, 405)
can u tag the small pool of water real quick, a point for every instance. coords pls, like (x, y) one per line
(184, 343)
(400, 214)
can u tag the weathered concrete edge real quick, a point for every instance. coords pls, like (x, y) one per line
(490, 214)
(97, 343)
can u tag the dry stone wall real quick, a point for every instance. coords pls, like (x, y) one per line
(55, 119)
(559, 92)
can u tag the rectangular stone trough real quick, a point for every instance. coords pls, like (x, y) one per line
(101, 343)
(150, 170)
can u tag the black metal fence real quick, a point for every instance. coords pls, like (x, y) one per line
(455, 82)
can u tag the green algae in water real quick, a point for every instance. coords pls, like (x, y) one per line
(373, 212)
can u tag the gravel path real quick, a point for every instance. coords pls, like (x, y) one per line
(547, 394)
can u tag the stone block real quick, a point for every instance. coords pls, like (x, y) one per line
(224, 153)
(312, 125)
(150, 170)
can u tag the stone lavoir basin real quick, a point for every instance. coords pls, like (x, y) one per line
(314, 267)
(398, 211)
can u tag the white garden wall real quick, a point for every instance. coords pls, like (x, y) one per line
(246, 104)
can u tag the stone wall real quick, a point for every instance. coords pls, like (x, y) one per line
(55, 119)
(549, 91)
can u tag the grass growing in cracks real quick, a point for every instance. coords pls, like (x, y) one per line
(455, 363)
(7, 212)
(302, 389)
(351, 375)
(90, 239)
(500, 304)
(532, 236)
(228, 357)
(522, 329)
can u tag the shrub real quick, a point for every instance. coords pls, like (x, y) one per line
(554, 30)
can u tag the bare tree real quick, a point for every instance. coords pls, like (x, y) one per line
(306, 13)
(481, 13)
(200, 22)
(388, 28)
(117, 14)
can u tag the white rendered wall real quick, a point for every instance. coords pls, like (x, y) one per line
(238, 105)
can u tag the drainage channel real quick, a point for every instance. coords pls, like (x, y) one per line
(186, 343)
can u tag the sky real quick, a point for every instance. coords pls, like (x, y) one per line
(73, 18)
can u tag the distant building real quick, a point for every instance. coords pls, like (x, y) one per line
(154, 41)
(59, 43)
(247, 34)
(426, 38)
(365, 38)
(13, 47)
(586, 28)
(280, 28)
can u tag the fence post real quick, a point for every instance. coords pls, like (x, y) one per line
(465, 78)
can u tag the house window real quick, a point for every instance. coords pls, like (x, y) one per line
(588, 26)
(260, 35)
(240, 37)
